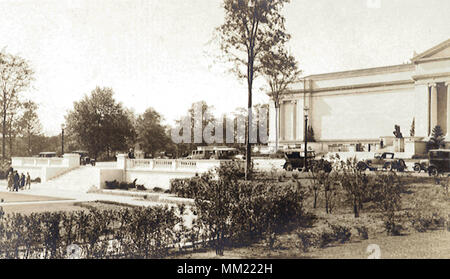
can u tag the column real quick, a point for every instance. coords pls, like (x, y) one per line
(448, 108)
(282, 121)
(294, 120)
(421, 109)
(433, 107)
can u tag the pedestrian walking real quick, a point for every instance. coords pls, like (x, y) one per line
(10, 181)
(22, 181)
(16, 181)
(28, 181)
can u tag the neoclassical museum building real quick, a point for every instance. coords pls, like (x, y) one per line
(357, 110)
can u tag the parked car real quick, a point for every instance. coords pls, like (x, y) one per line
(215, 152)
(84, 158)
(439, 161)
(47, 155)
(295, 159)
(384, 161)
(422, 165)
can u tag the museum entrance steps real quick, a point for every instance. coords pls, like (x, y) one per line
(78, 180)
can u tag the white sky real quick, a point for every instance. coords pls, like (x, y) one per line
(152, 52)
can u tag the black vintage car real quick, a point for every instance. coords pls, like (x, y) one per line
(384, 161)
(439, 161)
(84, 158)
(295, 159)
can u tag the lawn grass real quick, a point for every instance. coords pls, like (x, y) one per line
(9, 197)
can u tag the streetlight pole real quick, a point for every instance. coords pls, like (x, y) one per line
(305, 110)
(62, 139)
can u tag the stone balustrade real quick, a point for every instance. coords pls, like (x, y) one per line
(45, 168)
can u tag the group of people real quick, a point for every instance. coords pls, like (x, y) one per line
(16, 181)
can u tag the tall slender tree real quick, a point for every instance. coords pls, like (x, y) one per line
(251, 29)
(15, 77)
(280, 70)
(29, 123)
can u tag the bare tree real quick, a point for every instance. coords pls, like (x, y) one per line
(15, 77)
(251, 29)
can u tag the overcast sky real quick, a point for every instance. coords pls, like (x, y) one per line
(154, 53)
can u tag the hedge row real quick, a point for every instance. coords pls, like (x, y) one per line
(126, 233)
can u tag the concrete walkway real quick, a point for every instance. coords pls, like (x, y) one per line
(72, 195)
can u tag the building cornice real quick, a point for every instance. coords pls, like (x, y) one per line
(363, 72)
(430, 76)
(352, 87)
(428, 60)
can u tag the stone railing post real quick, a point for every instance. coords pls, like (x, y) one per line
(122, 161)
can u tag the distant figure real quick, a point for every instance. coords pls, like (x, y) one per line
(131, 154)
(381, 143)
(16, 181)
(10, 181)
(28, 181)
(22, 181)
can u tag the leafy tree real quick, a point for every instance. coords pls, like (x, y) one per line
(15, 77)
(280, 70)
(13, 127)
(99, 123)
(385, 192)
(251, 29)
(354, 183)
(30, 123)
(310, 134)
(207, 117)
(151, 135)
(437, 138)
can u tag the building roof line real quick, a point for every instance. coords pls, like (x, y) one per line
(360, 72)
(431, 51)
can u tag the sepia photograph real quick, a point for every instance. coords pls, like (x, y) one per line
(196, 131)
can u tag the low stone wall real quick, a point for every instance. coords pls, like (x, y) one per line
(45, 168)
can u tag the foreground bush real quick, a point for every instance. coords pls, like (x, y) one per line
(231, 211)
(126, 233)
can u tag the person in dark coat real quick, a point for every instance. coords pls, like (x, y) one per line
(16, 181)
(28, 181)
(22, 181)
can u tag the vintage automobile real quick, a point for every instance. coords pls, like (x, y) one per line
(47, 155)
(384, 161)
(420, 166)
(84, 158)
(439, 161)
(295, 159)
(215, 152)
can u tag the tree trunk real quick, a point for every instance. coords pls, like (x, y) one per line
(249, 125)
(355, 209)
(276, 128)
(4, 130)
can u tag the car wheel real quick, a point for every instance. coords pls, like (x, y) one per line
(432, 171)
(417, 168)
(387, 166)
(361, 166)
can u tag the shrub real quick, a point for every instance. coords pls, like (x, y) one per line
(124, 185)
(140, 187)
(158, 190)
(363, 232)
(112, 184)
(140, 232)
(385, 193)
(231, 211)
(36, 180)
